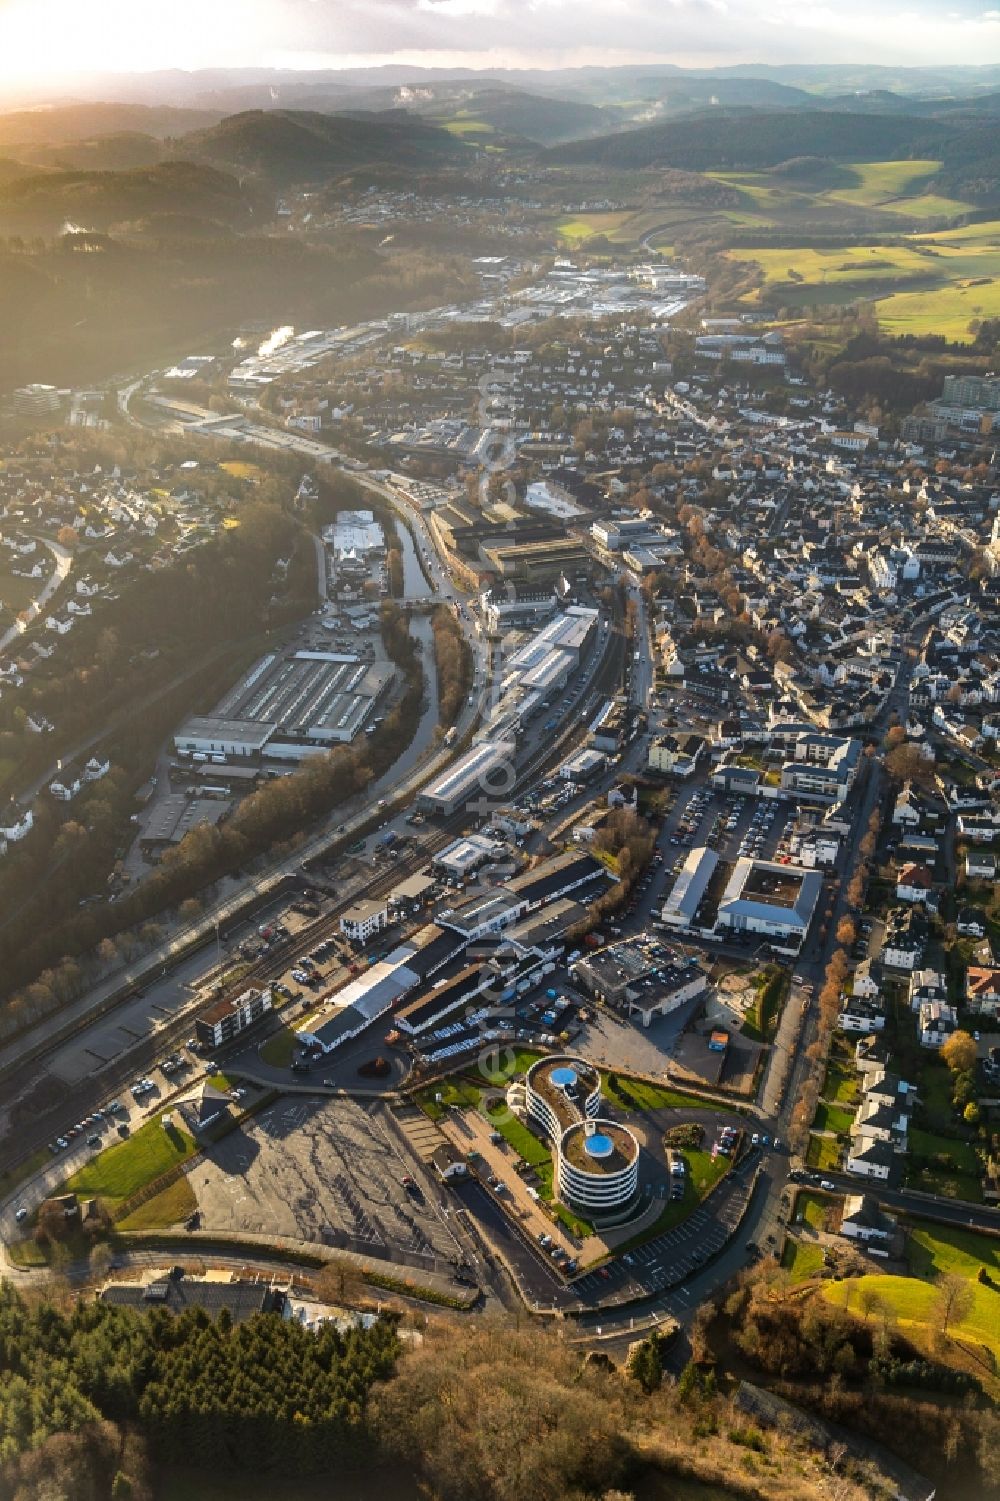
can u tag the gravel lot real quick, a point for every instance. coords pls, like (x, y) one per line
(323, 1170)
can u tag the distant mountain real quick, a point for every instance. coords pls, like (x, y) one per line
(509, 112)
(80, 122)
(288, 146)
(751, 140)
(679, 95)
(112, 153)
(227, 89)
(43, 203)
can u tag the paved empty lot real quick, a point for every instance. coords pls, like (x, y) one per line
(322, 1170)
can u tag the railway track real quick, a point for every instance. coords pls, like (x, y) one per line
(111, 1078)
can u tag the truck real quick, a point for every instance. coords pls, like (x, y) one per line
(384, 841)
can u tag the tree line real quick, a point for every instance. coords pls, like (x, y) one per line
(56, 963)
(453, 659)
(88, 1398)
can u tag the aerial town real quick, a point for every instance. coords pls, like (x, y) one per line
(499, 823)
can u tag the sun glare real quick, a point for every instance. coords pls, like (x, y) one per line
(42, 39)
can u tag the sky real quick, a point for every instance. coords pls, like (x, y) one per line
(48, 39)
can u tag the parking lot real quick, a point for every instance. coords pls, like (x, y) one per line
(323, 1170)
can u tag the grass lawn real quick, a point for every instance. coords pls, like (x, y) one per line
(129, 1165)
(812, 1210)
(703, 1173)
(171, 1207)
(926, 1143)
(517, 1136)
(527, 1145)
(801, 1260)
(456, 1091)
(934, 1251)
(279, 1050)
(832, 1118)
(935, 1086)
(637, 1094)
(941, 1164)
(824, 1152)
(27, 1254)
(840, 1086)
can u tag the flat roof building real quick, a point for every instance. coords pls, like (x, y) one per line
(289, 707)
(688, 890)
(765, 897)
(363, 1001)
(485, 770)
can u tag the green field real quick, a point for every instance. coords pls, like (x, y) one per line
(947, 311)
(850, 266)
(802, 1260)
(894, 187)
(933, 1252)
(279, 1050)
(926, 284)
(123, 1169)
(466, 125)
(576, 231)
(169, 1207)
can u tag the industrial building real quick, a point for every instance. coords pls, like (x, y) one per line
(630, 977)
(583, 765)
(485, 770)
(287, 708)
(363, 1001)
(765, 897)
(354, 535)
(502, 613)
(688, 891)
(538, 561)
(172, 817)
(459, 859)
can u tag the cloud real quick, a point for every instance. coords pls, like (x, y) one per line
(96, 35)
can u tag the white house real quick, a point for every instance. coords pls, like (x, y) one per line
(982, 989)
(362, 921)
(865, 1221)
(936, 1021)
(66, 784)
(15, 823)
(861, 1014)
(915, 883)
(869, 1158)
(905, 937)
